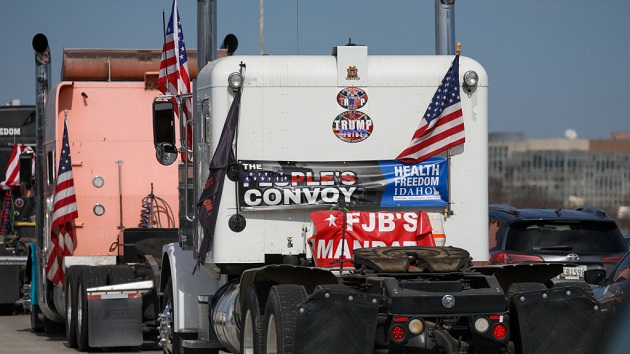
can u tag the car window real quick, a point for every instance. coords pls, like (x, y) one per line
(583, 237)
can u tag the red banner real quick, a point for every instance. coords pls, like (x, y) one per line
(365, 229)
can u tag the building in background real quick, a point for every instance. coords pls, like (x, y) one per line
(560, 173)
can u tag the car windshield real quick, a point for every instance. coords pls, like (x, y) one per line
(583, 237)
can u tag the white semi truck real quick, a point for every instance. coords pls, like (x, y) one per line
(317, 245)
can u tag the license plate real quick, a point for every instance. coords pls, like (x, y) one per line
(576, 273)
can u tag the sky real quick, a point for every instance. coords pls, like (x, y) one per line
(553, 65)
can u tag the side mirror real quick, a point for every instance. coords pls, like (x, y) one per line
(165, 153)
(26, 175)
(595, 276)
(164, 132)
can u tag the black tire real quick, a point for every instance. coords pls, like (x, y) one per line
(88, 277)
(52, 328)
(7, 309)
(583, 286)
(71, 284)
(517, 288)
(253, 320)
(37, 325)
(172, 343)
(119, 274)
(280, 318)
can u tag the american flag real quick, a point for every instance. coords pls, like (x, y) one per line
(174, 74)
(442, 126)
(12, 179)
(62, 237)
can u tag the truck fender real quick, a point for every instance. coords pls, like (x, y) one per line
(178, 265)
(42, 296)
(286, 274)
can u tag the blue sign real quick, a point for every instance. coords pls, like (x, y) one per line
(423, 184)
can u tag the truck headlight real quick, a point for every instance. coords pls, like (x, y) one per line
(235, 80)
(471, 79)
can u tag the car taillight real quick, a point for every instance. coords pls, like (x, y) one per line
(612, 259)
(499, 258)
(523, 258)
(510, 258)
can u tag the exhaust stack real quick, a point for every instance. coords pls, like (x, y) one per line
(445, 27)
(206, 32)
(42, 85)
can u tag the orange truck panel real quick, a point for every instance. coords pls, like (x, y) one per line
(110, 134)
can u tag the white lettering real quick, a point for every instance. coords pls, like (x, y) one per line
(252, 197)
(10, 131)
(412, 221)
(329, 249)
(386, 222)
(324, 249)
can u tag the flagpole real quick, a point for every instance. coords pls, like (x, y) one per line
(449, 153)
(164, 45)
(175, 18)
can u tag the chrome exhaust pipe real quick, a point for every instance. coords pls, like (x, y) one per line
(42, 86)
(445, 27)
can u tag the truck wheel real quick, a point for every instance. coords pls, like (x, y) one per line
(53, 328)
(88, 277)
(119, 274)
(583, 286)
(171, 341)
(517, 288)
(280, 317)
(37, 325)
(253, 332)
(71, 306)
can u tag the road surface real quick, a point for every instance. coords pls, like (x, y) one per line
(16, 336)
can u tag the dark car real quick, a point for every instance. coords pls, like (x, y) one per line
(614, 290)
(612, 337)
(584, 238)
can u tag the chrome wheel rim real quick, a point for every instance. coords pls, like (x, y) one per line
(272, 344)
(79, 310)
(248, 334)
(68, 307)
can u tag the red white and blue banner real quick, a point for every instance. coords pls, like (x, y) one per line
(267, 185)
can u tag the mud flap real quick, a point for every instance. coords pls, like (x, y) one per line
(10, 280)
(562, 319)
(115, 322)
(335, 319)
